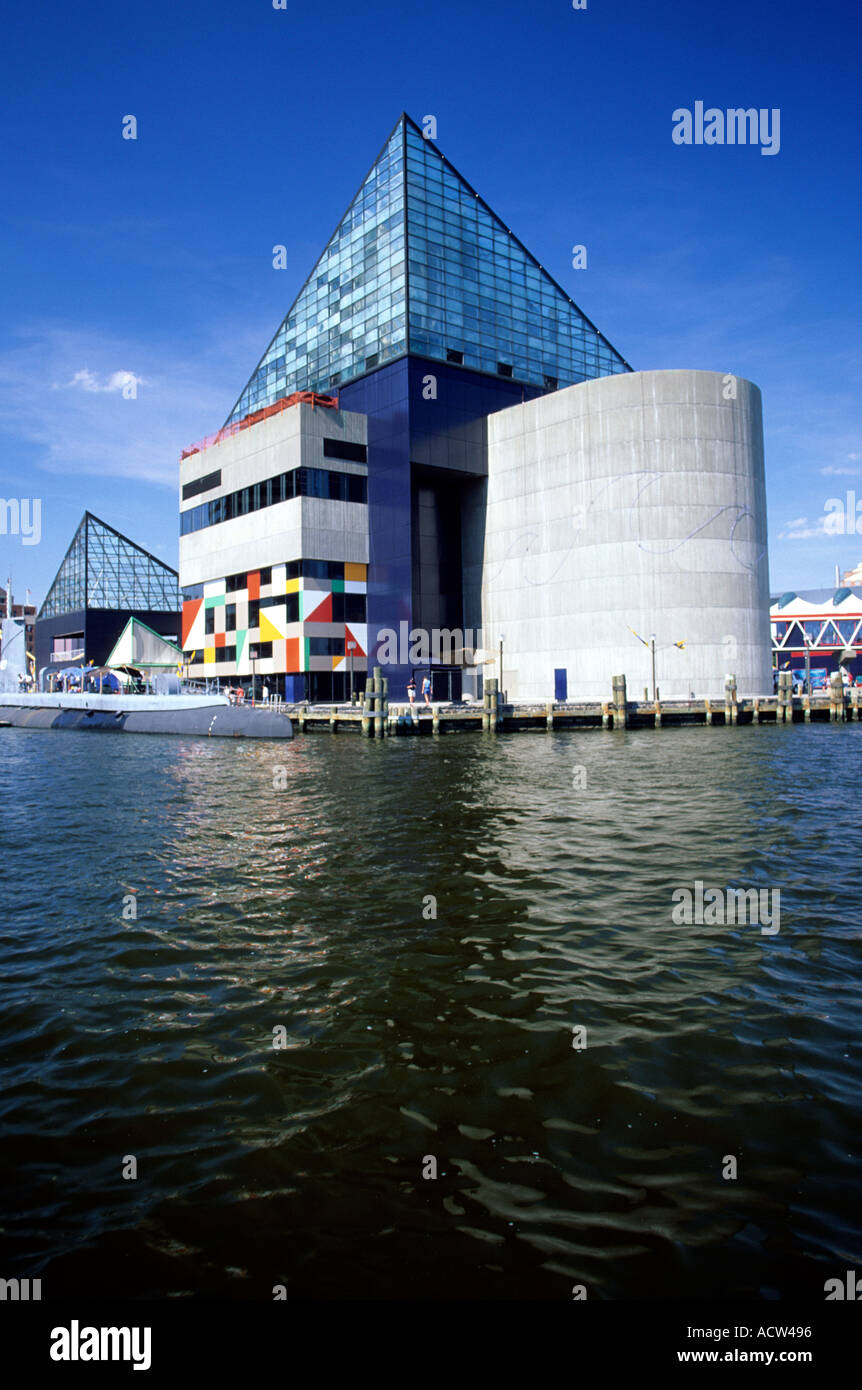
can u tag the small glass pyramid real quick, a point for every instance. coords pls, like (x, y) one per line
(104, 569)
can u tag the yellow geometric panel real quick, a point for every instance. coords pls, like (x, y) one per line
(268, 630)
(352, 571)
(291, 586)
(209, 653)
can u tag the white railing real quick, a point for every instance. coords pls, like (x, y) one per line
(73, 655)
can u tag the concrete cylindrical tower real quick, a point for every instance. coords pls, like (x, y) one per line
(634, 501)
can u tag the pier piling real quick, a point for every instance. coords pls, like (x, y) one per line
(620, 703)
(836, 697)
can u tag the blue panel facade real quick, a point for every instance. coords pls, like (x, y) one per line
(415, 427)
(448, 429)
(384, 397)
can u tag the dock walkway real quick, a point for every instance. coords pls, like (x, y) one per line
(375, 716)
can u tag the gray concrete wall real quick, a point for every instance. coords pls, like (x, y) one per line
(630, 501)
(304, 526)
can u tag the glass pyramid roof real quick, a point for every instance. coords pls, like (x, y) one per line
(420, 263)
(104, 569)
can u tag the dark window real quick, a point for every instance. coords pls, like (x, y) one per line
(291, 603)
(209, 622)
(551, 382)
(326, 646)
(344, 449)
(193, 591)
(505, 368)
(322, 569)
(372, 360)
(266, 575)
(348, 608)
(234, 582)
(453, 355)
(300, 482)
(259, 650)
(230, 617)
(226, 654)
(254, 612)
(199, 485)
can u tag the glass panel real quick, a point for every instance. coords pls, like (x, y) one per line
(104, 569)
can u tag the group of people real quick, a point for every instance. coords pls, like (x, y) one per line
(236, 694)
(426, 690)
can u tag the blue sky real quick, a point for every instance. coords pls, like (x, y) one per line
(255, 126)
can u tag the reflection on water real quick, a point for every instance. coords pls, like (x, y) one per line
(421, 926)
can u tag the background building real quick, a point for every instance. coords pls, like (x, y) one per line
(104, 580)
(853, 578)
(24, 613)
(827, 621)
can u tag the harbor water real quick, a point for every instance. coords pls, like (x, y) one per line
(413, 1018)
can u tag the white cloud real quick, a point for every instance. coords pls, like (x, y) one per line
(834, 471)
(801, 530)
(88, 381)
(92, 423)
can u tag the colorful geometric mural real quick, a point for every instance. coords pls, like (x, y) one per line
(278, 622)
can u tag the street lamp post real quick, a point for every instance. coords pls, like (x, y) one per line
(351, 647)
(807, 664)
(502, 640)
(652, 654)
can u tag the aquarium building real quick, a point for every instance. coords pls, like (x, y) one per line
(104, 580)
(437, 440)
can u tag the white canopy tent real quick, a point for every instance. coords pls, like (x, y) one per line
(141, 647)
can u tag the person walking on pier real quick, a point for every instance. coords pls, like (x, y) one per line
(426, 689)
(411, 691)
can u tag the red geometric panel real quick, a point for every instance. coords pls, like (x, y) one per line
(221, 639)
(291, 655)
(351, 637)
(254, 584)
(321, 614)
(191, 608)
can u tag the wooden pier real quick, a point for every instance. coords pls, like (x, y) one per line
(375, 717)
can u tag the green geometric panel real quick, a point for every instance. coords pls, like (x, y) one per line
(242, 634)
(338, 586)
